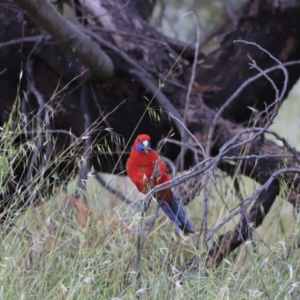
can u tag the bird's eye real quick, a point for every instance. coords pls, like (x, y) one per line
(139, 140)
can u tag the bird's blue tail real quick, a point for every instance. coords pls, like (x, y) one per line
(176, 214)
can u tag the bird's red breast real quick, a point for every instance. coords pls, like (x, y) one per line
(140, 167)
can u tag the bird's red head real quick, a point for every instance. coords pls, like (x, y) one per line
(142, 143)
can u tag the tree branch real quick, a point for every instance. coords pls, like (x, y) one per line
(99, 64)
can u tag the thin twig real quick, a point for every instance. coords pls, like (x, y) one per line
(231, 13)
(180, 158)
(36, 38)
(248, 201)
(86, 156)
(245, 84)
(111, 189)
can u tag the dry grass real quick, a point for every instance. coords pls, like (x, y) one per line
(66, 249)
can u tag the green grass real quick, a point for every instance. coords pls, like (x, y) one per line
(53, 252)
(47, 255)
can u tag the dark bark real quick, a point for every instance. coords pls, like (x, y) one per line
(274, 29)
(99, 64)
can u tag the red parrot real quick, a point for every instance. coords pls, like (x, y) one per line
(140, 167)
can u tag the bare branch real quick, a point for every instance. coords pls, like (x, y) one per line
(99, 64)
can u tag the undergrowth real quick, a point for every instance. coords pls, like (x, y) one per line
(65, 248)
(48, 255)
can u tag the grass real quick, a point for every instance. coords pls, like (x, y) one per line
(48, 255)
(66, 250)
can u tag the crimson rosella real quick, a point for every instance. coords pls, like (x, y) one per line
(140, 168)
